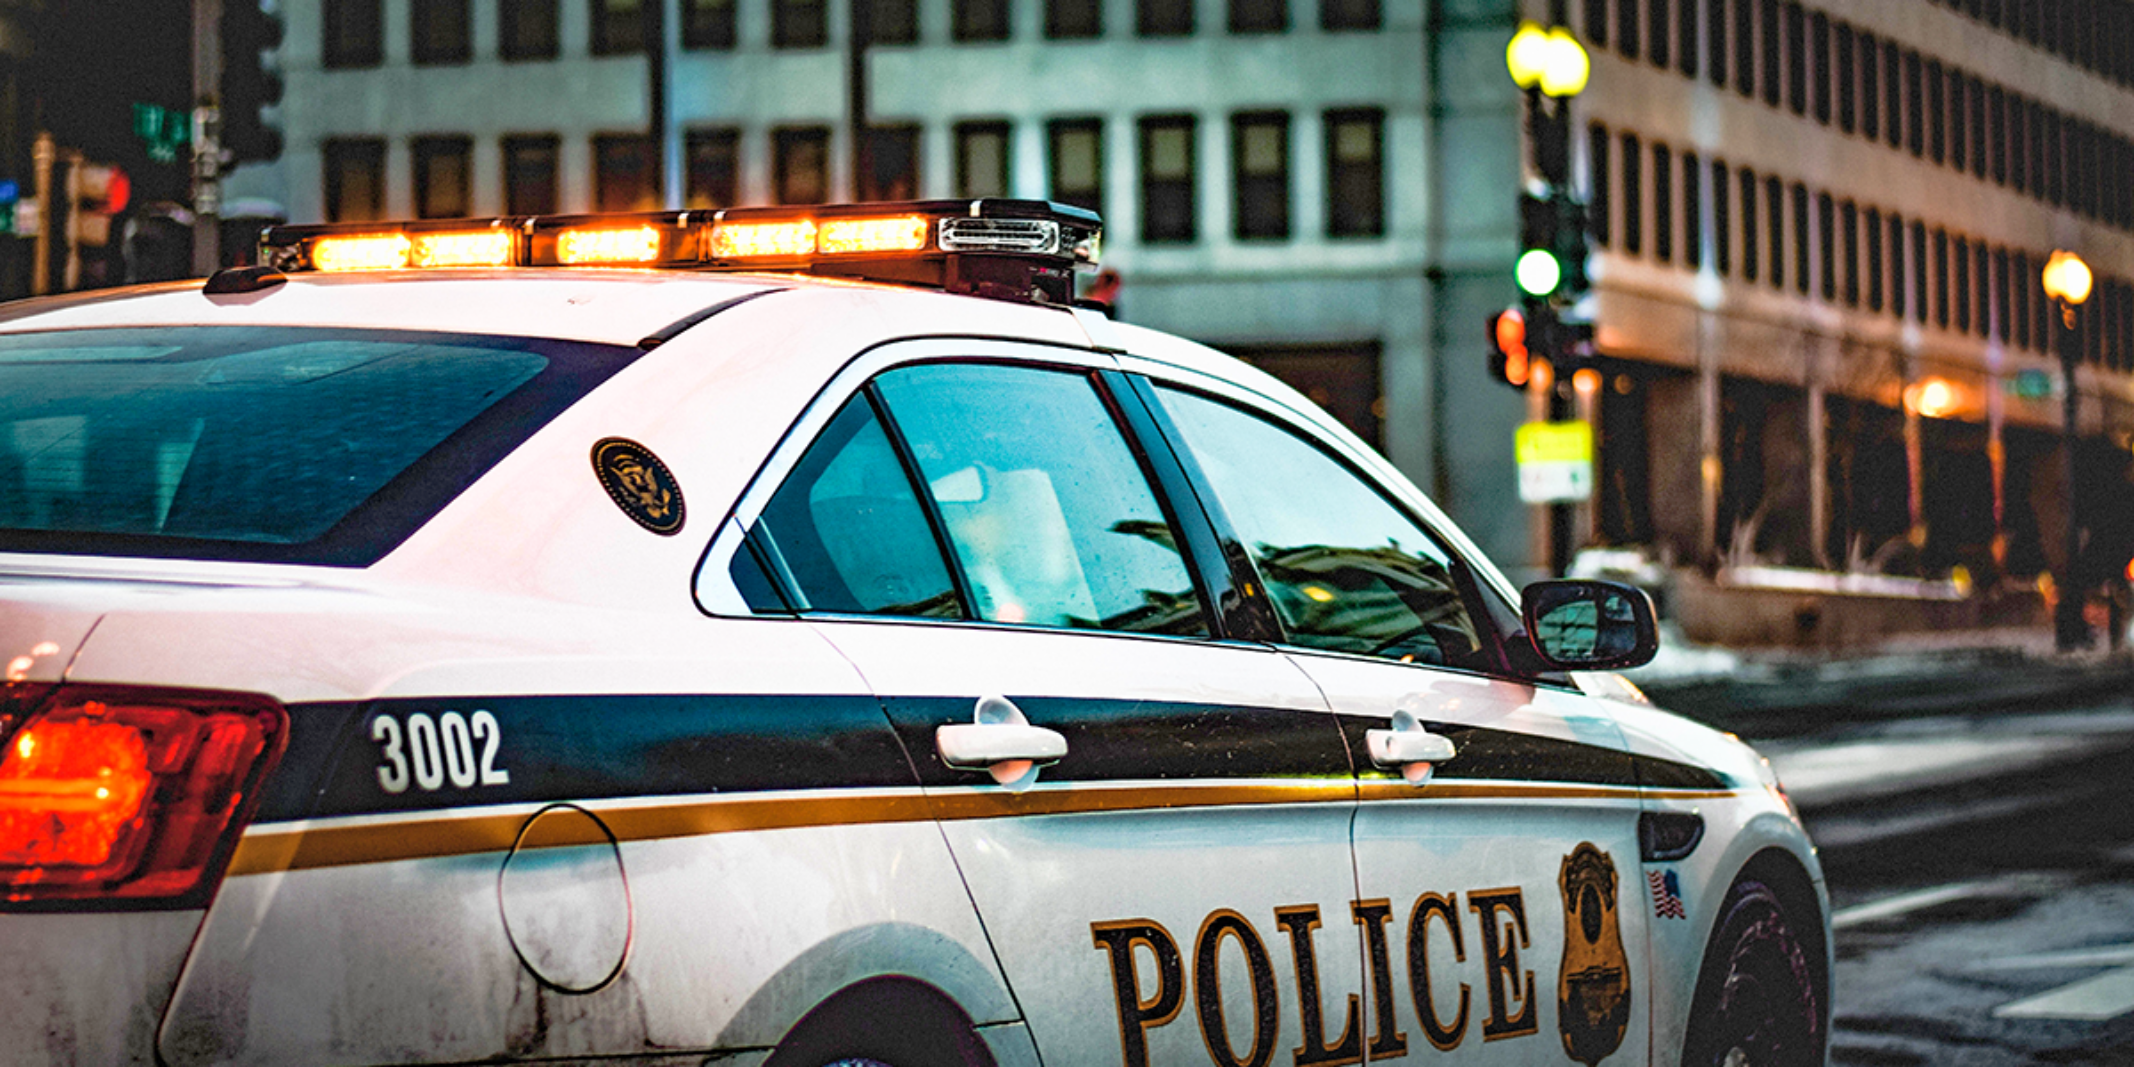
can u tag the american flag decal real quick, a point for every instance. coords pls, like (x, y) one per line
(1666, 895)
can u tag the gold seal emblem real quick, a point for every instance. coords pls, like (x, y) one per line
(1593, 988)
(639, 484)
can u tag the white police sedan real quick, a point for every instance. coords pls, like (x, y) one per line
(802, 636)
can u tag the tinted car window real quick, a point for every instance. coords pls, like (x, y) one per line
(1347, 570)
(265, 443)
(1049, 516)
(851, 534)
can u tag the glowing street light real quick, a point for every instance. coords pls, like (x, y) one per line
(1550, 59)
(2067, 280)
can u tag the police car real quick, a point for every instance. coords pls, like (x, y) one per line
(804, 636)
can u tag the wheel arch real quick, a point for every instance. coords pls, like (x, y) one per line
(896, 1019)
(1788, 878)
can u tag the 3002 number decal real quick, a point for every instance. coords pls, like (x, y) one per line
(431, 752)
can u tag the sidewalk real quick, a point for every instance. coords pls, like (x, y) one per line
(1775, 693)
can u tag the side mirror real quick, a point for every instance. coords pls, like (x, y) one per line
(1582, 625)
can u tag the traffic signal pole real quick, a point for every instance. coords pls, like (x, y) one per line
(207, 136)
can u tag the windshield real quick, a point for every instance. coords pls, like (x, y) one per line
(262, 443)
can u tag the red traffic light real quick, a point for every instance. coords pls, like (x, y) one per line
(1509, 361)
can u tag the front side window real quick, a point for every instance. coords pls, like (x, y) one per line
(263, 443)
(1347, 570)
(1047, 518)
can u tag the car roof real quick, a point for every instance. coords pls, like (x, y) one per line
(578, 304)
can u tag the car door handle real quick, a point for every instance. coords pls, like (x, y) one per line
(1000, 741)
(1416, 752)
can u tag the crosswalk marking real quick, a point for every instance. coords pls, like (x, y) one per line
(2107, 996)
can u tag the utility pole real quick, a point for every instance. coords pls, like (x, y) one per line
(207, 136)
(42, 155)
(859, 33)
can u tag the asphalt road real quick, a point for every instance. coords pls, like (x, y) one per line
(1981, 867)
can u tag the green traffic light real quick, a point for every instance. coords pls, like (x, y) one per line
(1538, 272)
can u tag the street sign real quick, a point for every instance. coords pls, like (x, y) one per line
(1555, 461)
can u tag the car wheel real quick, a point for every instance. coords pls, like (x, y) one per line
(1757, 1003)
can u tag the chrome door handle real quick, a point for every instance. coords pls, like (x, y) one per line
(1000, 741)
(1414, 751)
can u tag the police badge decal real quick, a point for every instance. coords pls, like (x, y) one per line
(1593, 988)
(639, 484)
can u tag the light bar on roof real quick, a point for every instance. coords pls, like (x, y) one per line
(1011, 249)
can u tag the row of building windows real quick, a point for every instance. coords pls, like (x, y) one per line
(625, 171)
(1763, 227)
(2097, 35)
(1813, 65)
(441, 31)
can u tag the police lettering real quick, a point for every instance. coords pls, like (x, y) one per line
(1150, 976)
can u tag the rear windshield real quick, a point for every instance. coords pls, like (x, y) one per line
(262, 443)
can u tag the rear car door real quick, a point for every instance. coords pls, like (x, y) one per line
(1496, 835)
(1177, 887)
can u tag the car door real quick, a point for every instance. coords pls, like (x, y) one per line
(1496, 835)
(1176, 887)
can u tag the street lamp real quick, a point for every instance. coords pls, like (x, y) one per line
(2067, 281)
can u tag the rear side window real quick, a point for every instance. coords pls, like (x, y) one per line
(1033, 511)
(262, 443)
(1348, 571)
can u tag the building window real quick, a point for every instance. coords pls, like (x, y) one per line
(1715, 42)
(892, 163)
(1767, 26)
(355, 180)
(1626, 28)
(1686, 39)
(980, 20)
(1258, 16)
(799, 24)
(1351, 15)
(1355, 173)
(1796, 61)
(1167, 177)
(1070, 19)
(526, 29)
(1919, 272)
(1826, 244)
(618, 27)
(1896, 265)
(1663, 204)
(1775, 229)
(2019, 288)
(891, 21)
(982, 157)
(1872, 226)
(625, 173)
(1937, 111)
(1800, 239)
(441, 177)
(1163, 18)
(1892, 94)
(530, 164)
(438, 32)
(355, 34)
(1750, 264)
(1633, 195)
(800, 164)
(1656, 35)
(1598, 208)
(1870, 87)
(711, 168)
(1848, 70)
(1959, 122)
(1819, 66)
(1259, 171)
(1722, 220)
(708, 25)
(1941, 278)
(1915, 104)
(1692, 211)
(1982, 291)
(1077, 162)
(1745, 47)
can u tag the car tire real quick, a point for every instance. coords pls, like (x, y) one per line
(884, 1022)
(1757, 1002)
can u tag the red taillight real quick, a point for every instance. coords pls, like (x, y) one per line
(128, 795)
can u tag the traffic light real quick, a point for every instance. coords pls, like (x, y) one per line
(1552, 248)
(99, 191)
(249, 80)
(1510, 361)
